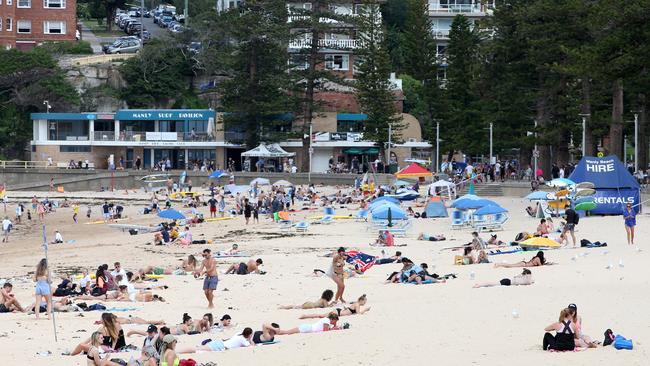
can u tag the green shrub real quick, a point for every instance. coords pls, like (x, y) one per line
(67, 48)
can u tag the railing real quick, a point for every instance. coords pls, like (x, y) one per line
(104, 136)
(70, 138)
(329, 43)
(141, 136)
(8, 164)
(299, 18)
(96, 59)
(458, 8)
(440, 33)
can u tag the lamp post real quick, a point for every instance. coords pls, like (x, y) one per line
(584, 133)
(437, 147)
(491, 130)
(535, 153)
(636, 143)
(47, 106)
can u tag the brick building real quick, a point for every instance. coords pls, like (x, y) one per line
(27, 23)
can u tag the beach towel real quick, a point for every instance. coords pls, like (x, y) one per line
(361, 261)
(117, 309)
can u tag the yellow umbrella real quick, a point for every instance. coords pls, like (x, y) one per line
(540, 242)
(561, 193)
(558, 204)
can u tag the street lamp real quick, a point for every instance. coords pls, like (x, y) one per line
(584, 132)
(437, 147)
(47, 106)
(636, 143)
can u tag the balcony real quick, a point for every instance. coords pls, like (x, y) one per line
(437, 9)
(300, 18)
(338, 44)
(104, 136)
(440, 33)
(143, 136)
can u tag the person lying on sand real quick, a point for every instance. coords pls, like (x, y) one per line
(222, 324)
(397, 258)
(123, 294)
(323, 325)
(323, 302)
(232, 251)
(357, 307)
(536, 261)
(8, 301)
(245, 339)
(246, 268)
(493, 241)
(186, 327)
(525, 278)
(427, 237)
(267, 334)
(188, 265)
(134, 320)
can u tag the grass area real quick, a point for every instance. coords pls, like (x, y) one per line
(100, 30)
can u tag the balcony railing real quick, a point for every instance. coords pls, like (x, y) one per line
(104, 135)
(138, 136)
(327, 43)
(440, 33)
(460, 8)
(299, 18)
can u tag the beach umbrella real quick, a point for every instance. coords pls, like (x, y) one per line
(585, 185)
(376, 205)
(261, 181)
(218, 174)
(583, 192)
(540, 241)
(561, 183)
(585, 206)
(490, 210)
(283, 183)
(538, 196)
(396, 213)
(401, 183)
(171, 214)
(474, 204)
(385, 198)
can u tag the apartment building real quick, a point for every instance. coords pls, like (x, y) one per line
(442, 13)
(27, 23)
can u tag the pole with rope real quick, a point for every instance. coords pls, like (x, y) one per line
(49, 283)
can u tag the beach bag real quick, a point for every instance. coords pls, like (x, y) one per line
(585, 243)
(621, 342)
(188, 362)
(609, 337)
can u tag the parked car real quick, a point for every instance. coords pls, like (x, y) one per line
(128, 23)
(156, 16)
(124, 22)
(130, 28)
(164, 22)
(125, 46)
(118, 41)
(147, 14)
(146, 36)
(176, 28)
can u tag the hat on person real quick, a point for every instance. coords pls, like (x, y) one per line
(152, 329)
(573, 306)
(169, 339)
(226, 317)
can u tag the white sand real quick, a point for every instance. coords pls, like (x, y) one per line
(449, 324)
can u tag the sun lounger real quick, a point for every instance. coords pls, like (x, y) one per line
(301, 226)
(457, 221)
(285, 225)
(327, 219)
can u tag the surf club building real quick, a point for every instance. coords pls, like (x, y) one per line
(187, 137)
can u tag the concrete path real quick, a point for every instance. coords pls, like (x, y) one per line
(88, 36)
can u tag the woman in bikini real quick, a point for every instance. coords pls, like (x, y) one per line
(112, 332)
(358, 307)
(323, 325)
(95, 351)
(185, 327)
(536, 261)
(337, 273)
(188, 265)
(323, 302)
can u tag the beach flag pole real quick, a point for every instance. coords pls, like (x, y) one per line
(49, 283)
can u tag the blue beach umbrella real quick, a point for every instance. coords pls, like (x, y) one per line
(474, 204)
(218, 174)
(538, 196)
(490, 210)
(171, 214)
(386, 211)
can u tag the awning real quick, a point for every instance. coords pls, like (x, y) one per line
(267, 151)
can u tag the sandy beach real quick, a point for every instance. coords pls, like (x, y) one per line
(450, 323)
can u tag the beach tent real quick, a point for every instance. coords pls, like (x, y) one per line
(444, 186)
(436, 208)
(413, 171)
(267, 151)
(614, 185)
(260, 181)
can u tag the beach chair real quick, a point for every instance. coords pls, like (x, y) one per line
(285, 225)
(493, 223)
(327, 219)
(457, 219)
(479, 220)
(301, 226)
(328, 211)
(399, 228)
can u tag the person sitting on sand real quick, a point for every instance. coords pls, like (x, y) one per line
(542, 228)
(477, 242)
(245, 339)
(357, 307)
(482, 257)
(419, 274)
(186, 237)
(525, 278)
(323, 325)
(397, 258)
(185, 327)
(385, 239)
(565, 334)
(95, 351)
(469, 255)
(581, 340)
(427, 237)
(536, 261)
(222, 324)
(404, 273)
(8, 302)
(168, 354)
(323, 302)
(246, 268)
(113, 336)
(232, 251)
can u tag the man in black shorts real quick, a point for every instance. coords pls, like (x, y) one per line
(571, 222)
(245, 268)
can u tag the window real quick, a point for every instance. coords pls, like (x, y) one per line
(54, 4)
(0, 23)
(9, 2)
(24, 26)
(54, 27)
(9, 24)
(74, 149)
(24, 3)
(337, 62)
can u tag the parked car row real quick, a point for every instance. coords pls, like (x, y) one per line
(169, 20)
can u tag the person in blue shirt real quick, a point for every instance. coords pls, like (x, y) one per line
(629, 214)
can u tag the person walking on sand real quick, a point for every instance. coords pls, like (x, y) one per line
(572, 220)
(51, 184)
(6, 229)
(630, 222)
(248, 209)
(75, 212)
(43, 291)
(41, 211)
(336, 272)
(209, 268)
